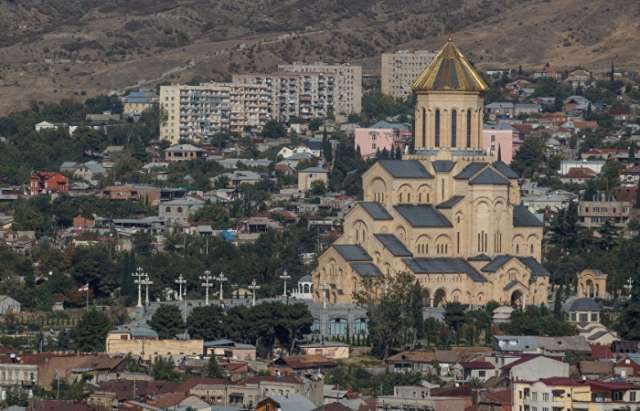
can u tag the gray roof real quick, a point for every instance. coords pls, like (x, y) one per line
(405, 168)
(516, 342)
(388, 125)
(366, 269)
(376, 210)
(489, 176)
(443, 265)
(179, 148)
(422, 215)
(443, 166)
(293, 402)
(470, 170)
(352, 252)
(536, 268)
(522, 217)
(480, 257)
(314, 170)
(584, 304)
(450, 203)
(394, 245)
(497, 263)
(505, 170)
(314, 144)
(94, 167)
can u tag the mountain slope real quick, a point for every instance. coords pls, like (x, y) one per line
(72, 48)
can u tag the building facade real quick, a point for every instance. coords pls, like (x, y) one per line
(348, 83)
(448, 213)
(399, 69)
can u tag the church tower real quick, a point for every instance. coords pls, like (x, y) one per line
(449, 108)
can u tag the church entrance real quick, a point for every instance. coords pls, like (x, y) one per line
(517, 300)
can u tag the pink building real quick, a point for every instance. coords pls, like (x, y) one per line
(382, 135)
(501, 136)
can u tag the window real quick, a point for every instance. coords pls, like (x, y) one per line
(468, 128)
(454, 126)
(632, 396)
(594, 317)
(534, 396)
(482, 373)
(424, 127)
(545, 397)
(437, 128)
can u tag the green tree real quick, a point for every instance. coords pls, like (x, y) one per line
(164, 369)
(206, 322)
(530, 157)
(15, 395)
(167, 321)
(274, 129)
(318, 188)
(628, 324)
(454, 317)
(213, 369)
(90, 333)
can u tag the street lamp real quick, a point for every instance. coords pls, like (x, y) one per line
(221, 279)
(139, 275)
(285, 276)
(253, 287)
(180, 281)
(147, 282)
(206, 283)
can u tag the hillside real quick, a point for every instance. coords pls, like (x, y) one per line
(72, 48)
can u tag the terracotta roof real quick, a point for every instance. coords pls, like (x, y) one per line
(498, 396)
(570, 382)
(579, 172)
(59, 405)
(287, 379)
(600, 352)
(166, 400)
(463, 391)
(477, 365)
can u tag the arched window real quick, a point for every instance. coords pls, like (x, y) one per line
(424, 127)
(454, 125)
(468, 128)
(437, 128)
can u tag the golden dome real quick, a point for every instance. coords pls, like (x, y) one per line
(449, 71)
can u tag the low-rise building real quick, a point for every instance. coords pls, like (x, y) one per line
(46, 182)
(381, 136)
(183, 152)
(138, 101)
(308, 176)
(225, 348)
(603, 208)
(179, 210)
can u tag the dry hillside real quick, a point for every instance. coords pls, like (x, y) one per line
(71, 48)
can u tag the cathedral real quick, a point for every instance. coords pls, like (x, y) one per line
(449, 213)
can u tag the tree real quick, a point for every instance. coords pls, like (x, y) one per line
(15, 395)
(628, 324)
(206, 322)
(536, 320)
(90, 333)
(167, 321)
(273, 129)
(164, 369)
(530, 157)
(454, 317)
(318, 188)
(213, 369)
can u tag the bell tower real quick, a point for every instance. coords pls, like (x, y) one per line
(449, 107)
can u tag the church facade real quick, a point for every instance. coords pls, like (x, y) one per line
(449, 213)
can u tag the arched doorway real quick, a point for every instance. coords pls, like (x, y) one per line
(439, 298)
(517, 300)
(426, 297)
(591, 290)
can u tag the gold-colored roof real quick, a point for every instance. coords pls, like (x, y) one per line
(449, 71)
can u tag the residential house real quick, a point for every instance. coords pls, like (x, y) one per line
(547, 73)
(179, 210)
(627, 366)
(531, 367)
(603, 208)
(183, 152)
(478, 370)
(499, 109)
(139, 101)
(594, 165)
(381, 136)
(138, 339)
(579, 78)
(48, 182)
(225, 348)
(574, 104)
(239, 177)
(90, 171)
(328, 349)
(308, 176)
(294, 402)
(578, 175)
(301, 364)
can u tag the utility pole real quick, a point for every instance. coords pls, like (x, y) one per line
(221, 279)
(206, 283)
(285, 276)
(253, 287)
(180, 281)
(139, 275)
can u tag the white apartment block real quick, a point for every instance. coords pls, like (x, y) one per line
(348, 97)
(194, 112)
(398, 70)
(295, 95)
(197, 112)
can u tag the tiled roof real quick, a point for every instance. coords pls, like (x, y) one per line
(443, 265)
(366, 269)
(536, 268)
(450, 203)
(351, 252)
(489, 176)
(505, 170)
(470, 170)
(497, 263)
(443, 166)
(522, 217)
(393, 244)
(422, 215)
(375, 210)
(405, 168)
(584, 304)
(477, 365)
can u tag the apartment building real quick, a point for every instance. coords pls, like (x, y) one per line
(398, 70)
(602, 208)
(348, 83)
(194, 112)
(295, 95)
(250, 107)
